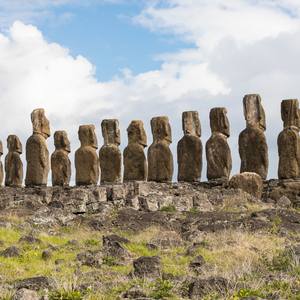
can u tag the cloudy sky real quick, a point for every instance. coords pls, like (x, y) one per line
(135, 59)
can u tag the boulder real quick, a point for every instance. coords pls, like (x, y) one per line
(149, 267)
(249, 182)
(25, 294)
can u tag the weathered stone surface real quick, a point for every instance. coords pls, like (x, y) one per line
(37, 154)
(189, 148)
(1, 165)
(218, 154)
(86, 158)
(25, 294)
(135, 162)
(147, 267)
(90, 258)
(12, 251)
(160, 158)
(60, 162)
(197, 264)
(13, 162)
(113, 247)
(289, 141)
(253, 147)
(201, 287)
(36, 283)
(110, 154)
(249, 182)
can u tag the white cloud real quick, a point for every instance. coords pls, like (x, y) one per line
(241, 48)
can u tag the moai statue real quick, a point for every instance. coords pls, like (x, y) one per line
(253, 147)
(13, 162)
(110, 155)
(189, 148)
(289, 141)
(86, 158)
(160, 158)
(218, 154)
(135, 163)
(60, 162)
(1, 165)
(37, 155)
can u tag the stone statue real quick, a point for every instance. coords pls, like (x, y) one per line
(160, 158)
(253, 147)
(135, 163)
(1, 165)
(86, 158)
(110, 155)
(60, 162)
(189, 148)
(289, 141)
(13, 162)
(218, 154)
(37, 155)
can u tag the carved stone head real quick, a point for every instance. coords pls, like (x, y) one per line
(137, 133)
(111, 132)
(254, 112)
(40, 123)
(191, 123)
(87, 136)
(161, 129)
(61, 141)
(14, 144)
(219, 121)
(290, 113)
(1, 148)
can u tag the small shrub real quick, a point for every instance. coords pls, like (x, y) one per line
(162, 289)
(66, 295)
(169, 208)
(109, 261)
(91, 243)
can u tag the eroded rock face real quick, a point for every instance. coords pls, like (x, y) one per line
(160, 158)
(1, 165)
(147, 267)
(135, 162)
(13, 162)
(253, 147)
(248, 182)
(218, 154)
(37, 154)
(60, 162)
(86, 158)
(110, 154)
(289, 141)
(189, 148)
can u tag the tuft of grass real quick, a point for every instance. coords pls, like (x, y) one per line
(9, 236)
(169, 209)
(162, 289)
(66, 295)
(140, 249)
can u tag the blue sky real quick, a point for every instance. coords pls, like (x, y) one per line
(211, 53)
(107, 35)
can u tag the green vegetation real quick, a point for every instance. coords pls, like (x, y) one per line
(245, 259)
